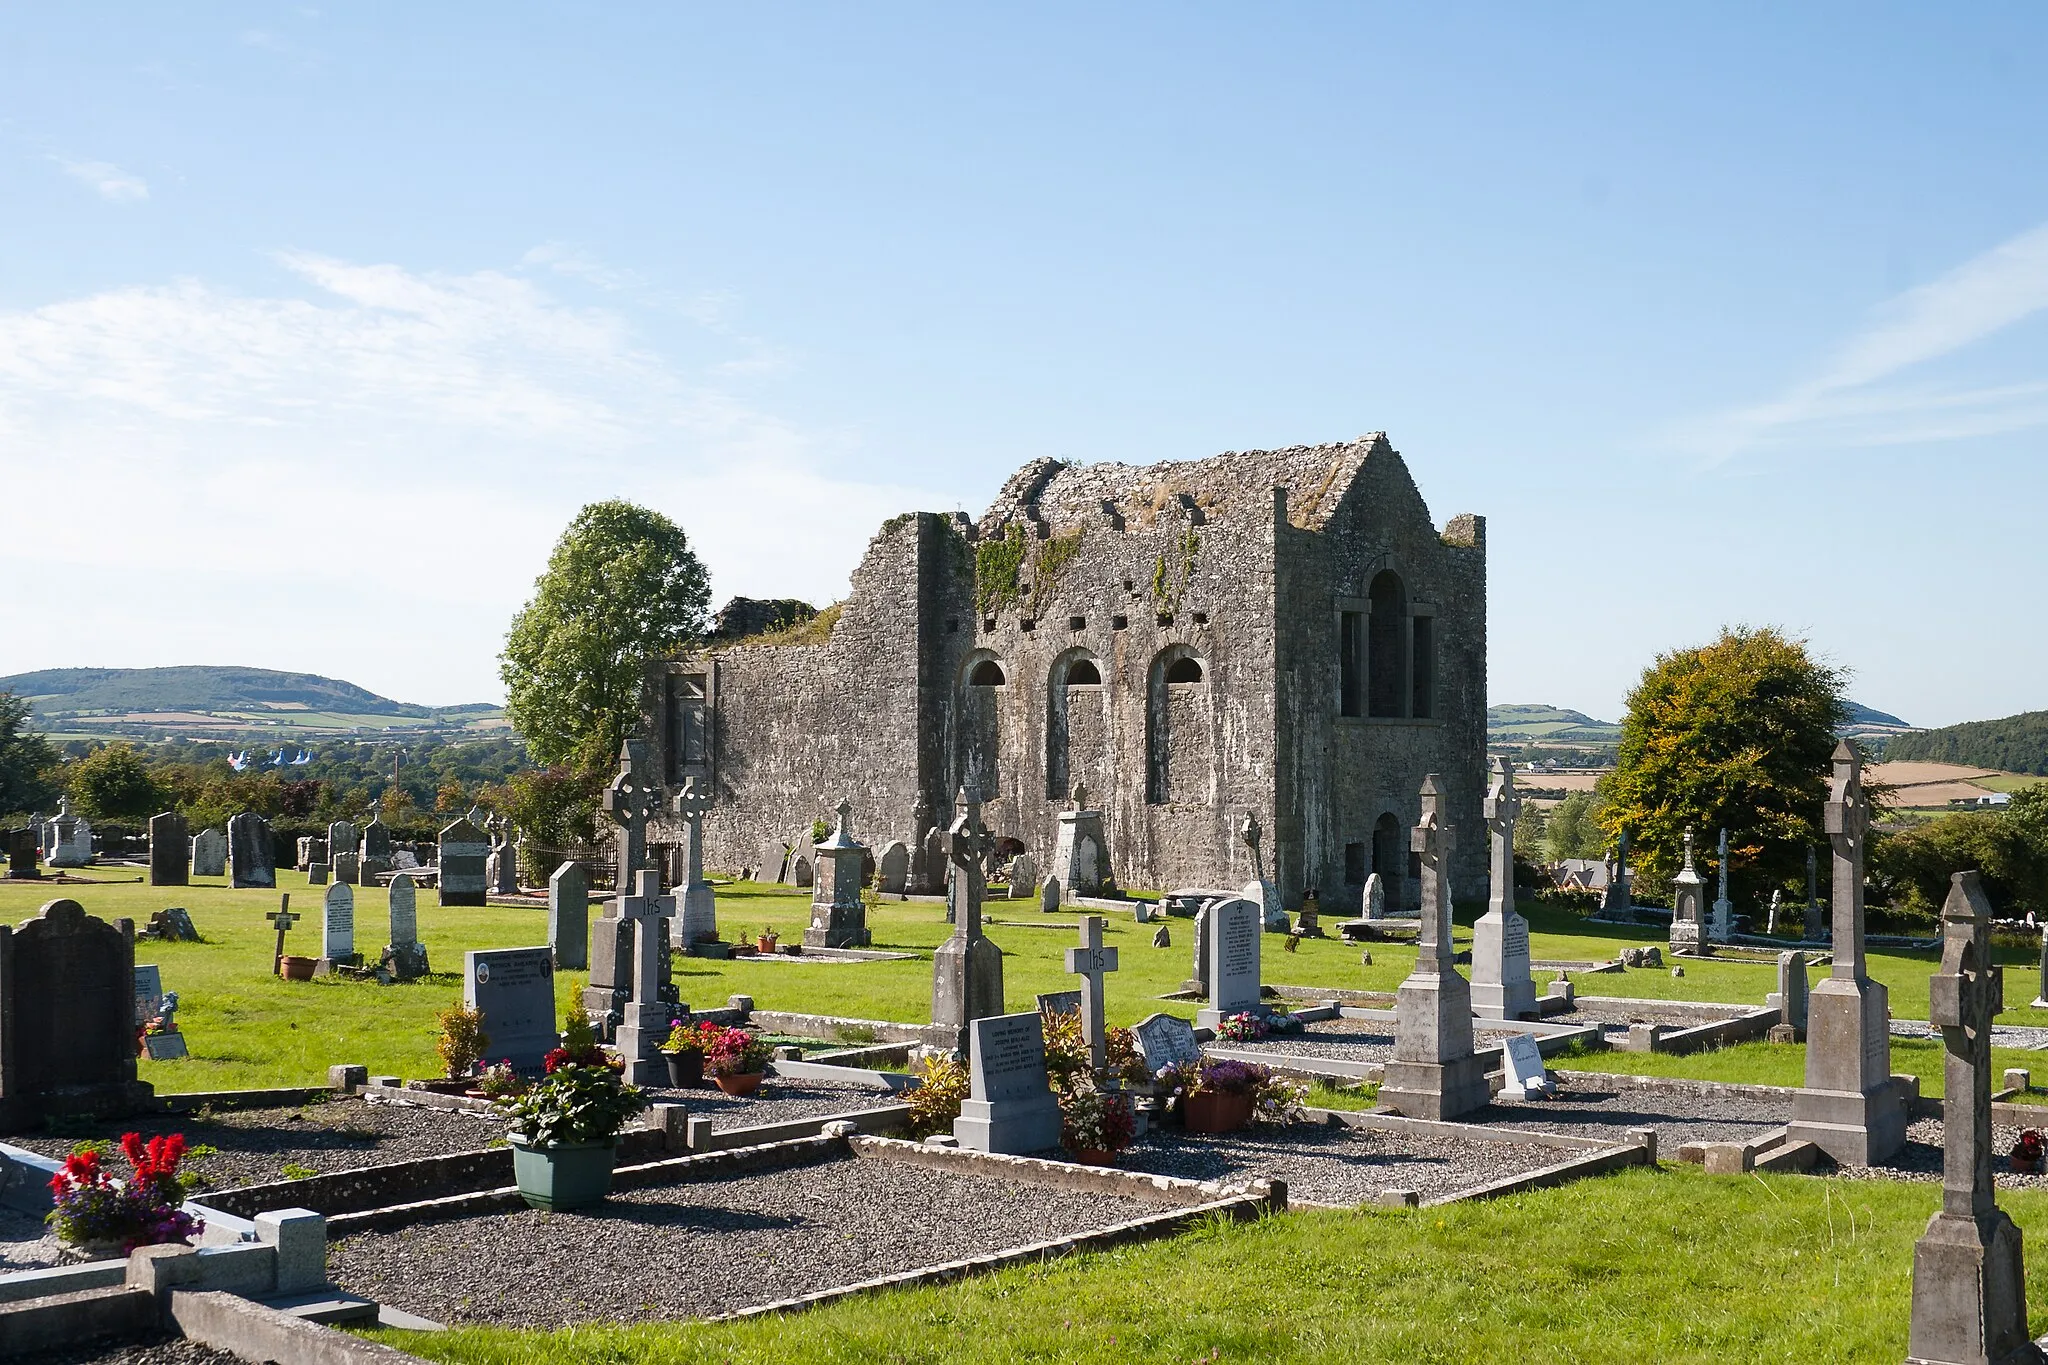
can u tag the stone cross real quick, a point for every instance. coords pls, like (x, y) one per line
(1848, 825)
(1502, 809)
(1433, 839)
(699, 920)
(284, 919)
(967, 843)
(629, 804)
(1080, 796)
(1969, 1284)
(1250, 832)
(1501, 988)
(1089, 962)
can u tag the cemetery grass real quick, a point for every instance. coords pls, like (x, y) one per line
(1670, 1266)
(1784, 1064)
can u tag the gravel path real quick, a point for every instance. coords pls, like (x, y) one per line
(776, 1101)
(156, 1351)
(256, 1144)
(1587, 1107)
(2002, 1035)
(707, 1247)
(1920, 1159)
(26, 1242)
(1329, 1165)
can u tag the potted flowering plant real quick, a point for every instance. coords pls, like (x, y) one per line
(1222, 1096)
(498, 1082)
(2028, 1151)
(736, 1058)
(565, 1132)
(100, 1217)
(768, 939)
(1096, 1124)
(684, 1052)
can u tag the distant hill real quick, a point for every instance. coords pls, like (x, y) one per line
(2016, 744)
(1860, 714)
(222, 701)
(1548, 725)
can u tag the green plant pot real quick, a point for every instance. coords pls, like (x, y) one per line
(570, 1175)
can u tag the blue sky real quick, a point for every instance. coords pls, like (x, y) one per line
(317, 324)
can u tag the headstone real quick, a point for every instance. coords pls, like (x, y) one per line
(1166, 1040)
(514, 989)
(615, 942)
(893, 869)
(1522, 1067)
(1234, 930)
(1049, 894)
(302, 852)
(800, 869)
(698, 922)
(1010, 1105)
(645, 1012)
(343, 837)
(282, 919)
(172, 924)
(1199, 981)
(1849, 1107)
(348, 868)
(839, 918)
(1771, 921)
(338, 927)
(2040, 1001)
(569, 917)
(170, 851)
(149, 991)
(463, 849)
(1260, 890)
(252, 861)
(1721, 924)
(1969, 1278)
(317, 874)
(67, 1018)
(1080, 856)
(1375, 897)
(405, 957)
(210, 853)
(1163, 938)
(1434, 1073)
(967, 969)
(1089, 962)
(774, 859)
(1618, 903)
(1688, 914)
(1059, 1002)
(1501, 987)
(24, 855)
(375, 851)
(1815, 931)
(1023, 876)
(933, 849)
(1790, 999)
(68, 837)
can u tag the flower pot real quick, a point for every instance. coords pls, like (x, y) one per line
(1094, 1156)
(569, 1175)
(685, 1069)
(296, 968)
(1209, 1111)
(740, 1084)
(765, 944)
(2023, 1166)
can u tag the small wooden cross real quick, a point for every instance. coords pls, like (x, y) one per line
(284, 919)
(1089, 962)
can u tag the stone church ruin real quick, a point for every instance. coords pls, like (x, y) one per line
(1284, 632)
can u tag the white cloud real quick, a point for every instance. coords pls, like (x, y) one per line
(363, 476)
(1856, 401)
(564, 259)
(115, 185)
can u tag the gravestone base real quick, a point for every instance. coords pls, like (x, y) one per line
(640, 1036)
(1436, 1090)
(1687, 936)
(1014, 1126)
(1785, 1033)
(1500, 946)
(1855, 1129)
(967, 984)
(114, 1099)
(328, 966)
(1969, 1293)
(699, 918)
(1850, 1107)
(405, 961)
(837, 926)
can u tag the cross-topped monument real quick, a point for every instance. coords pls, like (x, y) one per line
(699, 920)
(1688, 911)
(1969, 1285)
(1089, 962)
(1721, 927)
(1849, 1108)
(1434, 1074)
(967, 969)
(284, 919)
(629, 803)
(1501, 988)
(1260, 890)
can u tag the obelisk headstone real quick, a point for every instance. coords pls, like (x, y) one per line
(1501, 988)
(1434, 1074)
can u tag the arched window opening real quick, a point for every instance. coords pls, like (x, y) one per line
(1387, 646)
(1390, 859)
(1184, 670)
(1084, 673)
(987, 673)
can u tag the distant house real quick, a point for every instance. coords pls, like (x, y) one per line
(1989, 800)
(1579, 874)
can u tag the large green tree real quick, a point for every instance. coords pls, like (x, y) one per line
(1734, 734)
(115, 783)
(27, 762)
(622, 586)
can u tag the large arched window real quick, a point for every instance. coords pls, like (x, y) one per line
(987, 673)
(1387, 646)
(978, 728)
(1178, 743)
(1076, 725)
(1390, 859)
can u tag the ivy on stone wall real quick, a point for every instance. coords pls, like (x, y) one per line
(1170, 582)
(999, 565)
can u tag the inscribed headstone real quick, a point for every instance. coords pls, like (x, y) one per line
(405, 915)
(1166, 1040)
(252, 861)
(23, 855)
(1375, 897)
(338, 924)
(1234, 931)
(893, 869)
(463, 850)
(1010, 1105)
(375, 851)
(569, 916)
(1023, 876)
(1522, 1065)
(348, 868)
(210, 853)
(67, 984)
(170, 851)
(1059, 1002)
(149, 991)
(514, 988)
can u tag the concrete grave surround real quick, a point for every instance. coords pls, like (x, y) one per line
(1232, 941)
(463, 849)
(1166, 1040)
(170, 851)
(210, 853)
(569, 916)
(1501, 987)
(252, 861)
(1434, 1073)
(515, 990)
(1010, 1105)
(338, 924)
(967, 969)
(1969, 1281)
(1849, 1108)
(67, 1018)
(1182, 640)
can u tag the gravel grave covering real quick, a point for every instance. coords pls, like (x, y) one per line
(2002, 1035)
(162, 1350)
(27, 1243)
(708, 1247)
(1589, 1107)
(1920, 1158)
(1335, 1165)
(1348, 1040)
(255, 1145)
(776, 1101)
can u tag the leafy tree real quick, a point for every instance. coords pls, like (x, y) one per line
(1574, 827)
(622, 586)
(1530, 827)
(27, 762)
(1913, 867)
(114, 783)
(1737, 734)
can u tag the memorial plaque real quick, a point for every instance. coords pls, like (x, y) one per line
(1522, 1061)
(514, 988)
(149, 992)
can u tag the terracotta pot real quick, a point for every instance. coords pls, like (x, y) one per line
(685, 1069)
(1208, 1111)
(740, 1084)
(297, 968)
(1094, 1156)
(765, 944)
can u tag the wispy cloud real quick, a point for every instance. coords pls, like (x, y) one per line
(1865, 396)
(115, 185)
(564, 259)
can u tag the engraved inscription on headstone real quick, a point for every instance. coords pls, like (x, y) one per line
(514, 988)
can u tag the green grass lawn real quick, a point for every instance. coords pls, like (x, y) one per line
(1670, 1266)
